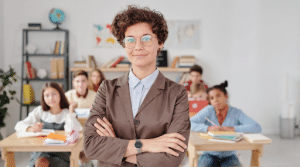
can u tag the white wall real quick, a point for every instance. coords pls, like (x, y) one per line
(252, 44)
(1, 34)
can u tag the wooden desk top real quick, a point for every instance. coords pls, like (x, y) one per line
(13, 143)
(206, 145)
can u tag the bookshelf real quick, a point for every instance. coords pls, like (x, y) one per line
(162, 69)
(26, 57)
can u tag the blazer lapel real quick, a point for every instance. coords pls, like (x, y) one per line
(154, 91)
(123, 92)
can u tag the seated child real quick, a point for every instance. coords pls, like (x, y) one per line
(81, 95)
(95, 79)
(226, 118)
(196, 77)
(197, 92)
(52, 114)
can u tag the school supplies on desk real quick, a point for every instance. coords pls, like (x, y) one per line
(55, 139)
(257, 138)
(82, 112)
(227, 139)
(44, 132)
(223, 133)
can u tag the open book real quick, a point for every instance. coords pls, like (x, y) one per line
(44, 132)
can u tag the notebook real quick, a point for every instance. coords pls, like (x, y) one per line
(82, 112)
(223, 134)
(226, 139)
(44, 132)
(196, 106)
(257, 138)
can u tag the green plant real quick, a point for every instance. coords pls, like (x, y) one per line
(6, 94)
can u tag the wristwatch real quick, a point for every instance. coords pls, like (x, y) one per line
(138, 145)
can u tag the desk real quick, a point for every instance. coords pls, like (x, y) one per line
(197, 143)
(13, 144)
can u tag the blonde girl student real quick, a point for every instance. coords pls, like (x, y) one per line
(197, 92)
(96, 77)
(53, 113)
(225, 118)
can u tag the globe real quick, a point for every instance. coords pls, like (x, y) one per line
(56, 16)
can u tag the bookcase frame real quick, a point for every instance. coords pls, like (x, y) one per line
(26, 56)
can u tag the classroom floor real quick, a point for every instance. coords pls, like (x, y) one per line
(280, 153)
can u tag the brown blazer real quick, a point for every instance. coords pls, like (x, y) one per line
(165, 109)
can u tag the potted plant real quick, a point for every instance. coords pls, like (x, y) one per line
(7, 79)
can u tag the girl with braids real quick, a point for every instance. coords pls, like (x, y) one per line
(225, 118)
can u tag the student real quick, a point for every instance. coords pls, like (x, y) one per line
(141, 118)
(81, 97)
(226, 118)
(95, 79)
(53, 113)
(196, 77)
(197, 92)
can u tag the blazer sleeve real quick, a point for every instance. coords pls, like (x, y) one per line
(105, 149)
(180, 124)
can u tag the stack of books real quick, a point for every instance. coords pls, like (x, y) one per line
(57, 68)
(230, 137)
(80, 64)
(186, 61)
(59, 47)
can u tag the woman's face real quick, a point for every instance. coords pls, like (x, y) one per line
(217, 98)
(139, 55)
(51, 97)
(81, 84)
(96, 78)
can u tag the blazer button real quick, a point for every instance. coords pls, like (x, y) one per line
(137, 122)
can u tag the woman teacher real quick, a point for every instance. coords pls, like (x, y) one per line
(141, 118)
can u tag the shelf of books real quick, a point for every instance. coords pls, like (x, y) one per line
(47, 55)
(162, 69)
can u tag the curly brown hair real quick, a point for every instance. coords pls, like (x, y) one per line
(133, 15)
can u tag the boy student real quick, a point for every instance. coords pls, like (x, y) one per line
(196, 77)
(81, 97)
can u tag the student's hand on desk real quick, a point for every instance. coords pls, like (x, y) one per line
(165, 143)
(229, 129)
(104, 128)
(37, 127)
(214, 128)
(72, 107)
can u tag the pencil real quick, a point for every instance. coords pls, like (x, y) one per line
(210, 121)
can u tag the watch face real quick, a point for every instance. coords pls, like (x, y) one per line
(138, 144)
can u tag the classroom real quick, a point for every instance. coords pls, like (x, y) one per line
(253, 44)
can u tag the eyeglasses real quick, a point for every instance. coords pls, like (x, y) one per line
(146, 40)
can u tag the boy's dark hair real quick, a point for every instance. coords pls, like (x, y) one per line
(63, 100)
(196, 68)
(81, 72)
(221, 87)
(133, 15)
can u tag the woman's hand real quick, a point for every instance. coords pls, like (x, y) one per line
(165, 143)
(37, 127)
(104, 128)
(214, 128)
(228, 129)
(72, 107)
